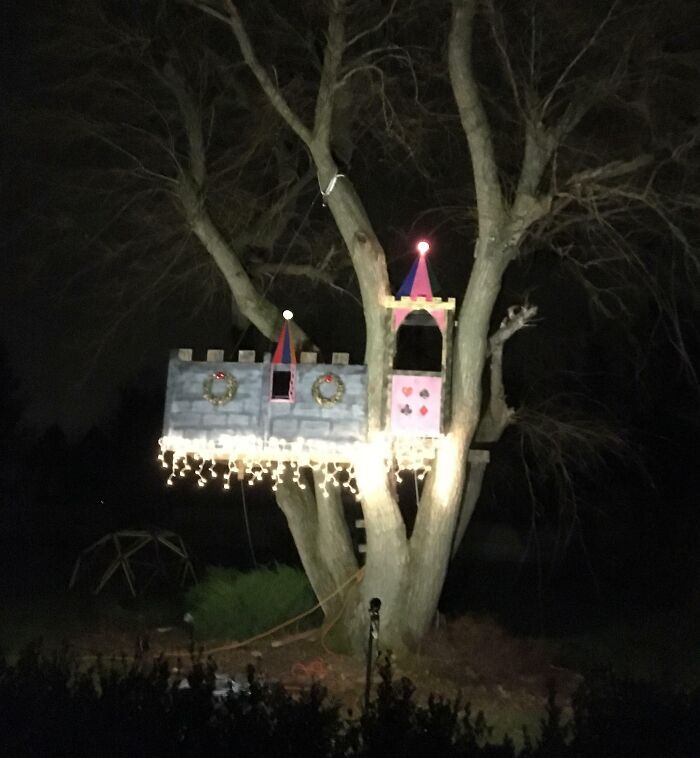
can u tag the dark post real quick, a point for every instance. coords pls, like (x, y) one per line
(374, 605)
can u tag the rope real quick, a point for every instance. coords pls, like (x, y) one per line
(356, 577)
(247, 525)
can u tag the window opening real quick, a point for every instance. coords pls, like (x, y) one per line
(282, 388)
(418, 343)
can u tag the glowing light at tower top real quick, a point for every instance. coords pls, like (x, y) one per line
(423, 247)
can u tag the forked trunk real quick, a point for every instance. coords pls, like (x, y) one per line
(407, 576)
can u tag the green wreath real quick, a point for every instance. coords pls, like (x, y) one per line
(227, 395)
(328, 400)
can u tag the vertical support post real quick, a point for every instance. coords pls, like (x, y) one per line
(374, 605)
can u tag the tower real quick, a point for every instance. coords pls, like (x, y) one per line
(419, 357)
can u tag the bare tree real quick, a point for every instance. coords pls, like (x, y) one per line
(536, 88)
(550, 98)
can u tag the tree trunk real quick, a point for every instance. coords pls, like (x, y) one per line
(407, 575)
(477, 462)
(321, 537)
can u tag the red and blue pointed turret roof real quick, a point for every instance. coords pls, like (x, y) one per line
(420, 280)
(284, 352)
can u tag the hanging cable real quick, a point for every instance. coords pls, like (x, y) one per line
(247, 524)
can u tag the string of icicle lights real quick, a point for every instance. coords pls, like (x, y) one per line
(248, 459)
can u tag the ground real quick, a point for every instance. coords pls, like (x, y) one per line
(474, 657)
(498, 670)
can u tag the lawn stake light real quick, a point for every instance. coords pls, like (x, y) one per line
(275, 417)
(374, 605)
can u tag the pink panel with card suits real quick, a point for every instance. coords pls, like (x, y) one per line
(415, 405)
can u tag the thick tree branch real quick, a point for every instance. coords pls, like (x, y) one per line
(265, 230)
(473, 117)
(254, 306)
(306, 270)
(498, 414)
(250, 303)
(277, 100)
(332, 59)
(530, 204)
(191, 121)
(539, 147)
(612, 170)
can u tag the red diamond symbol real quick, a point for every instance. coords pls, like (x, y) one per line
(423, 410)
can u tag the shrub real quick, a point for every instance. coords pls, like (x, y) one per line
(50, 707)
(237, 605)
(395, 725)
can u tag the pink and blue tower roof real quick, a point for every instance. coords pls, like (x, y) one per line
(284, 352)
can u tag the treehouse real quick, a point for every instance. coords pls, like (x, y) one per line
(249, 419)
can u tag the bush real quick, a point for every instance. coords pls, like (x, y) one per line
(50, 707)
(394, 725)
(235, 605)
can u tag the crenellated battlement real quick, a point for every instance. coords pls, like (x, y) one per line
(249, 356)
(414, 303)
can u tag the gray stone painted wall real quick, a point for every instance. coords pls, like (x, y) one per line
(188, 414)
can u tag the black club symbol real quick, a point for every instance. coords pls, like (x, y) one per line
(424, 394)
(406, 410)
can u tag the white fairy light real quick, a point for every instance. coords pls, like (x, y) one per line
(256, 459)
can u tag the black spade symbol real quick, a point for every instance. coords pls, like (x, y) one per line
(406, 410)
(424, 394)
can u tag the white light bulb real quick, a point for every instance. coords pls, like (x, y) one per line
(422, 247)
(287, 315)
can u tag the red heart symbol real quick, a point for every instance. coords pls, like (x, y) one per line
(423, 410)
(407, 391)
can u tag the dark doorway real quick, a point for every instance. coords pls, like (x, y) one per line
(418, 343)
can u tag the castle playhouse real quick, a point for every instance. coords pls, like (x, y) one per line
(248, 419)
